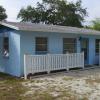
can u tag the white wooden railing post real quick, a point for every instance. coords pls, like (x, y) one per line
(25, 71)
(67, 66)
(48, 63)
(83, 59)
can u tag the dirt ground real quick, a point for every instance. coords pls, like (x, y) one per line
(72, 85)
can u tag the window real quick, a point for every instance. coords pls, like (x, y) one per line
(97, 46)
(69, 45)
(6, 47)
(41, 45)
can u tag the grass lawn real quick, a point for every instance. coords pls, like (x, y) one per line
(11, 88)
(76, 85)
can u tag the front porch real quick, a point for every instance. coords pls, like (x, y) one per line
(85, 55)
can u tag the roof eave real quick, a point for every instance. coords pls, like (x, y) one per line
(10, 26)
(72, 32)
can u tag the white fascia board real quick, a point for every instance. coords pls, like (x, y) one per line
(10, 26)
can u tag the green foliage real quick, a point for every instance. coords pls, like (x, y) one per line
(56, 12)
(96, 24)
(3, 15)
(88, 27)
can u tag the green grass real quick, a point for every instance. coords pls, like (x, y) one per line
(11, 88)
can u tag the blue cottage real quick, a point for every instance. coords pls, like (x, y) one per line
(17, 39)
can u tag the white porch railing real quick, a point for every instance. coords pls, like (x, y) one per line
(50, 62)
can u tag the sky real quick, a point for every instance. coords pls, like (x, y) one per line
(13, 7)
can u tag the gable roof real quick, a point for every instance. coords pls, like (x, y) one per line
(48, 28)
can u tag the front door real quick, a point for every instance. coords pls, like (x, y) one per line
(85, 49)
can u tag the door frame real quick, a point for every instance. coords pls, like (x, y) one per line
(85, 49)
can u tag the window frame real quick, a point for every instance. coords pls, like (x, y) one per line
(6, 47)
(41, 44)
(97, 46)
(69, 43)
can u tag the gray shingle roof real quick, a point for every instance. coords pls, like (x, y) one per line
(49, 28)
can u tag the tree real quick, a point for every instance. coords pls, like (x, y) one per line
(56, 12)
(96, 24)
(3, 15)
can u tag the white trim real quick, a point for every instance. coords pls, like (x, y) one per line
(10, 26)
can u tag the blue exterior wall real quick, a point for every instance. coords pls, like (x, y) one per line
(2, 68)
(10, 65)
(55, 44)
(21, 43)
(91, 58)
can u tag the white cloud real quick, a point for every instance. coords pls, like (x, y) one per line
(12, 8)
